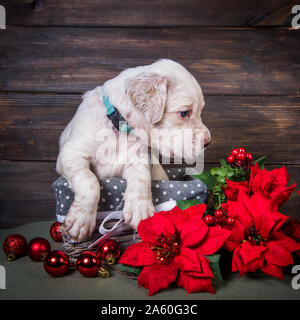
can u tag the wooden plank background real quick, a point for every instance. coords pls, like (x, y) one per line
(244, 54)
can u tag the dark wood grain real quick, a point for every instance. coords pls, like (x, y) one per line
(149, 13)
(235, 61)
(26, 194)
(268, 126)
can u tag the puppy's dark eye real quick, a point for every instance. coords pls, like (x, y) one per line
(185, 114)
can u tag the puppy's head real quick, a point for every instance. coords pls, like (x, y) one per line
(166, 98)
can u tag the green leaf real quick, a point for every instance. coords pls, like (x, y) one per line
(207, 178)
(184, 204)
(261, 162)
(128, 269)
(214, 263)
(223, 162)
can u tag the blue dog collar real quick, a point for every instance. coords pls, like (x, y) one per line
(115, 117)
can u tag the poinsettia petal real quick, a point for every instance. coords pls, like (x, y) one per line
(236, 236)
(192, 284)
(277, 254)
(239, 210)
(138, 254)
(157, 277)
(272, 270)
(266, 219)
(151, 228)
(281, 195)
(233, 188)
(289, 243)
(292, 229)
(205, 269)
(193, 232)
(195, 212)
(249, 252)
(214, 240)
(188, 260)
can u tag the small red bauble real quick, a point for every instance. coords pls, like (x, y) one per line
(230, 221)
(241, 156)
(209, 220)
(242, 150)
(239, 162)
(55, 232)
(38, 248)
(56, 263)
(14, 246)
(88, 264)
(219, 213)
(234, 152)
(231, 159)
(109, 251)
(249, 157)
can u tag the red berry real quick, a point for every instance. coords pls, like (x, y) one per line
(235, 152)
(241, 156)
(242, 150)
(231, 159)
(219, 213)
(239, 162)
(230, 221)
(249, 157)
(209, 220)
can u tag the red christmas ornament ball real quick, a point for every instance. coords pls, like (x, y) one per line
(230, 221)
(242, 150)
(56, 263)
(218, 213)
(241, 156)
(109, 250)
(249, 157)
(209, 220)
(231, 159)
(38, 248)
(14, 246)
(55, 232)
(234, 152)
(88, 264)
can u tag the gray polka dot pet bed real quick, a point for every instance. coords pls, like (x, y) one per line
(109, 217)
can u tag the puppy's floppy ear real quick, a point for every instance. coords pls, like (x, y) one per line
(148, 94)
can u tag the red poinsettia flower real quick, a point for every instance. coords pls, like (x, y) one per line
(256, 241)
(233, 188)
(173, 248)
(272, 184)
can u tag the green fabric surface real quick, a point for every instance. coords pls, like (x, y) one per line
(26, 279)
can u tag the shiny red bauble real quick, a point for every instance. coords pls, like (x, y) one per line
(231, 159)
(38, 248)
(109, 251)
(209, 220)
(249, 157)
(14, 246)
(55, 232)
(56, 263)
(218, 213)
(88, 264)
(242, 150)
(230, 221)
(241, 156)
(235, 152)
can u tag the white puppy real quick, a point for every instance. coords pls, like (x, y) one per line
(163, 96)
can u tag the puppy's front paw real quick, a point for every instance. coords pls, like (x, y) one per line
(137, 209)
(80, 222)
